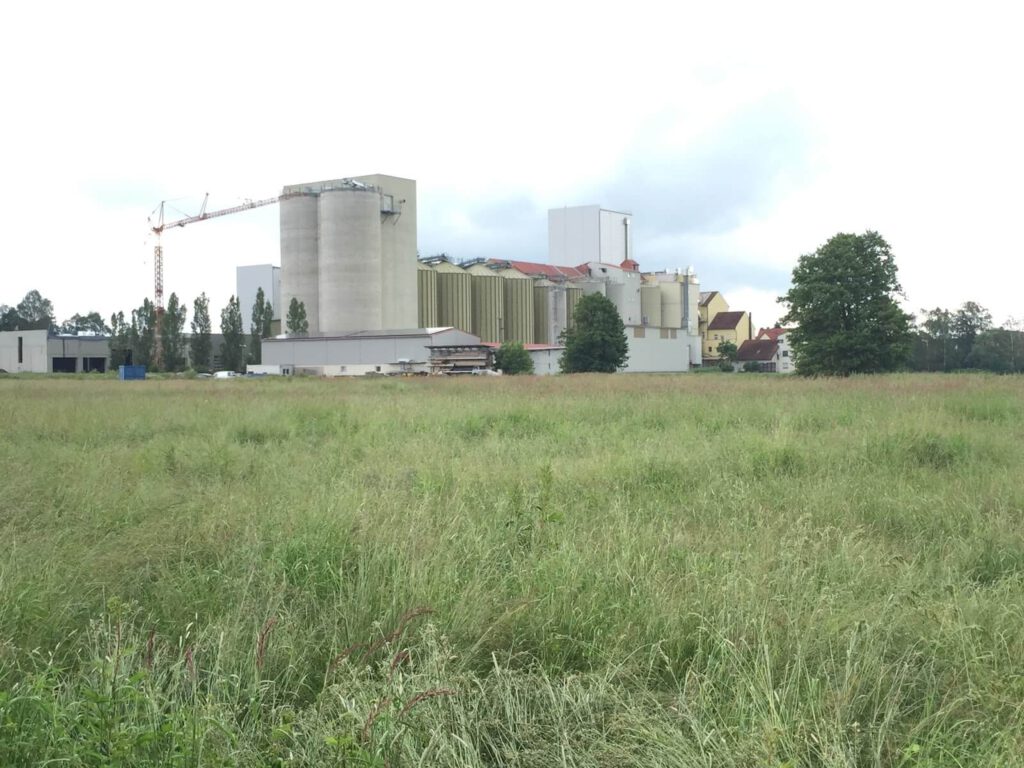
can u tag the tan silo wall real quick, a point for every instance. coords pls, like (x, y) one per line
(572, 298)
(519, 308)
(426, 291)
(454, 297)
(488, 306)
(650, 304)
(541, 314)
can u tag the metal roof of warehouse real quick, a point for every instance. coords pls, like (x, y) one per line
(366, 334)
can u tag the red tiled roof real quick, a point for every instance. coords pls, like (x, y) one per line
(534, 269)
(725, 321)
(757, 349)
(772, 333)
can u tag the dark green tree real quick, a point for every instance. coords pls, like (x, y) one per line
(172, 335)
(120, 341)
(233, 350)
(35, 313)
(8, 318)
(143, 334)
(262, 317)
(512, 358)
(596, 343)
(997, 350)
(843, 302)
(91, 323)
(296, 322)
(968, 323)
(201, 343)
(727, 351)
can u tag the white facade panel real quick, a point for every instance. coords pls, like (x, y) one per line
(32, 357)
(574, 235)
(545, 361)
(650, 353)
(616, 234)
(248, 280)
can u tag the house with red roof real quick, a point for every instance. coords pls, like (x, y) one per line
(780, 336)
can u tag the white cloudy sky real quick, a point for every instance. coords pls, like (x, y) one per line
(739, 135)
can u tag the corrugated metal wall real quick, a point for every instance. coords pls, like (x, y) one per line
(426, 290)
(454, 297)
(518, 307)
(572, 298)
(542, 313)
(488, 307)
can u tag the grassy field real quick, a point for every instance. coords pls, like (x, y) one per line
(719, 570)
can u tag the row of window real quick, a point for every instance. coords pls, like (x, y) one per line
(640, 332)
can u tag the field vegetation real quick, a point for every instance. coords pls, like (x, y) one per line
(622, 570)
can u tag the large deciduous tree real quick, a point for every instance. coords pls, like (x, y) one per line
(34, 313)
(201, 343)
(172, 334)
(843, 302)
(262, 317)
(90, 323)
(597, 341)
(233, 349)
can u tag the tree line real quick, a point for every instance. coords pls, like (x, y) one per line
(134, 337)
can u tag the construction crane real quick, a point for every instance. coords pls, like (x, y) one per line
(161, 225)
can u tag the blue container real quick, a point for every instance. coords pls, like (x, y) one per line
(131, 372)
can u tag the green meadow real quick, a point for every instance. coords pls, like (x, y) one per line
(698, 570)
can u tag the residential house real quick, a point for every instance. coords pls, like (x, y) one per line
(763, 352)
(786, 362)
(736, 327)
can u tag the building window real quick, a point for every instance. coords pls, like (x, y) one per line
(672, 333)
(638, 332)
(21, 350)
(664, 333)
(785, 353)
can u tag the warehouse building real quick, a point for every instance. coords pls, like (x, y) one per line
(360, 352)
(44, 352)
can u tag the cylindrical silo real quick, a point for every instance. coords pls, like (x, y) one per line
(426, 289)
(488, 304)
(572, 298)
(350, 260)
(542, 312)
(300, 257)
(518, 306)
(454, 297)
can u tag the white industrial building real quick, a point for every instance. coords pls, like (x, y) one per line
(360, 352)
(43, 352)
(248, 281)
(348, 252)
(588, 233)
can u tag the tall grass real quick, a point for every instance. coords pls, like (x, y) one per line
(579, 571)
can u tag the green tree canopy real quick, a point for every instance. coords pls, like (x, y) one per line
(843, 302)
(143, 334)
(233, 350)
(91, 323)
(33, 313)
(201, 343)
(512, 358)
(296, 322)
(727, 351)
(172, 335)
(262, 317)
(596, 343)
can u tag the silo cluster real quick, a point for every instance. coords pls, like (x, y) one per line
(348, 253)
(493, 302)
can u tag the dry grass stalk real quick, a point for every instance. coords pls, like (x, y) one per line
(433, 693)
(403, 622)
(261, 642)
(376, 712)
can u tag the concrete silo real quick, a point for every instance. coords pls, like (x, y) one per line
(300, 273)
(350, 260)
(348, 252)
(572, 298)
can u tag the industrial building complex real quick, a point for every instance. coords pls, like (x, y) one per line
(349, 256)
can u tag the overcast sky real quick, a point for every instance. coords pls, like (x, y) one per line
(739, 135)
